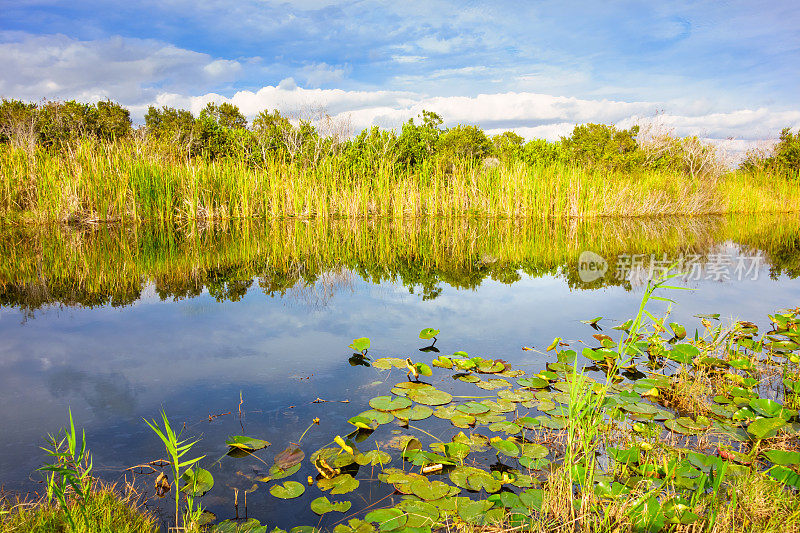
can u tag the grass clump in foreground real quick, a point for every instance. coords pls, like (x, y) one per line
(107, 511)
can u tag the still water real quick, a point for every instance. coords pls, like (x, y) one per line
(116, 323)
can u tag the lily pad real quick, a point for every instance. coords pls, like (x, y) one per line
(429, 490)
(389, 403)
(429, 397)
(387, 519)
(197, 481)
(417, 412)
(341, 484)
(322, 505)
(762, 428)
(506, 447)
(360, 344)
(247, 444)
(289, 457)
(782, 457)
(287, 491)
(428, 333)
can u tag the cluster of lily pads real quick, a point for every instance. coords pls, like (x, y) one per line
(508, 440)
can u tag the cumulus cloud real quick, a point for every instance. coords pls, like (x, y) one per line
(532, 115)
(124, 69)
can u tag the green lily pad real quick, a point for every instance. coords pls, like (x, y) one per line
(429, 490)
(363, 422)
(360, 344)
(247, 444)
(420, 514)
(389, 403)
(506, 447)
(287, 491)
(533, 382)
(387, 519)
(781, 457)
(417, 412)
(373, 457)
(493, 384)
(197, 481)
(354, 526)
(472, 408)
(429, 397)
(385, 363)
(762, 428)
(322, 505)
(237, 526)
(341, 484)
(428, 333)
(769, 408)
(462, 420)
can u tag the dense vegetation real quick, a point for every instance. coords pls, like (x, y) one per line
(74, 161)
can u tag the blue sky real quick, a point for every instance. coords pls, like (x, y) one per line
(716, 69)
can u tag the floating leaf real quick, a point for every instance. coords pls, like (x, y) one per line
(289, 457)
(533, 382)
(322, 505)
(769, 408)
(678, 330)
(363, 422)
(247, 444)
(385, 363)
(781, 457)
(387, 519)
(417, 412)
(279, 473)
(197, 481)
(360, 344)
(493, 384)
(373, 457)
(237, 526)
(389, 403)
(341, 484)
(430, 396)
(762, 428)
(506, 447)
(287, 491)
(428, 333)
(429, 490)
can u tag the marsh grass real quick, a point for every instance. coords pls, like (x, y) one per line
(133, 180)
(108, 510)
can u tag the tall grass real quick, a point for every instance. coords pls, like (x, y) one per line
(133, 181)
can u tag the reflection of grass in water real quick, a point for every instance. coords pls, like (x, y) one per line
(98, 266)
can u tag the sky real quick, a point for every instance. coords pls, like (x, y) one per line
(728, 71)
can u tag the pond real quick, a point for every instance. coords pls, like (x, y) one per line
(243, 329)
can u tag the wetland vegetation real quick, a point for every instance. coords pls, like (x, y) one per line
(66, 161)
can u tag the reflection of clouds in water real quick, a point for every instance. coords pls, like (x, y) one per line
(105, 394)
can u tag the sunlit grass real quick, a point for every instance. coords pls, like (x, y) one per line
(134, 181)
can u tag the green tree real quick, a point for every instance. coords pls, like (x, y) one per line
(602, 145)
(418, 142)
(463, 143)
(224, 114)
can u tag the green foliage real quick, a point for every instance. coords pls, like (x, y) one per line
(225, 115)
(603, 146)
(508, 145)
(69, 470)
(417, 143)
(106, 510)
(541, 152)
(463, 143)
(787, 151)
(176, 450)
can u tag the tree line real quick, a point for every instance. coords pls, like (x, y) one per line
(222, 131)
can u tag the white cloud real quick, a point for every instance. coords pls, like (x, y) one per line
(531, 115)
(124, 69)
(322, 73)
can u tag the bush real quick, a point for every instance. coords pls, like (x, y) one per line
(539, 151)
(604, 146)
(417, 143)
(787, 152)
(463, 143)
(225, 115)
(507, 145)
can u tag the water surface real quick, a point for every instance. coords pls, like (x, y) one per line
(118, 322)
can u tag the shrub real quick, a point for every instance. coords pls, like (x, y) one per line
(224, 114)
(539, 151)
(463, 143)
(603, 145)
(507, 145)
(417, 143)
